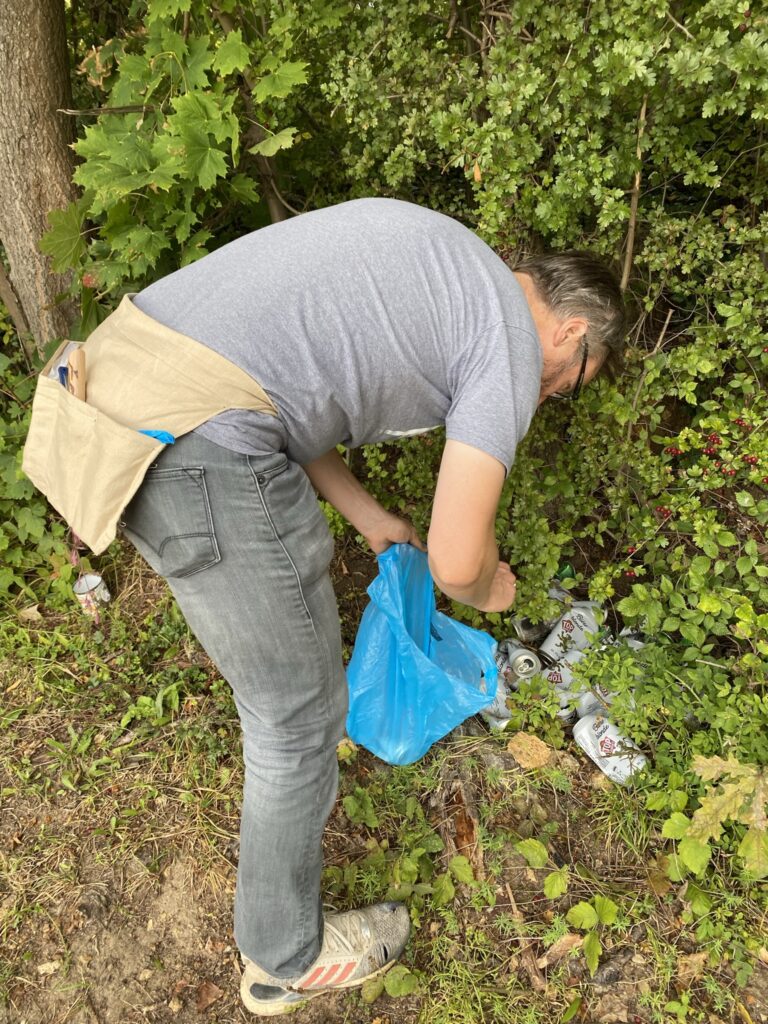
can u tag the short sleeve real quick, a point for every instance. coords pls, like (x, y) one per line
(496, 392)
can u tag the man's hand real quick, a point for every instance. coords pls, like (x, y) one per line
(503, 590)
(331, 477)
(389, 529)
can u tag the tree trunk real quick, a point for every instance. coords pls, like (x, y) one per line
(35, 159)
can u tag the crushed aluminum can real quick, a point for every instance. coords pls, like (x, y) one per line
(514, 663)
(573, 630)
(614, 754)
(561, 676)
(532, 632)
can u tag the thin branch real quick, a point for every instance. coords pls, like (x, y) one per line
(452, 20)
(538, 982)
(135, 108)
(284, 201)
(10, 300)
(644, 374)
(682, 27)
(277, 209)
(635, 199)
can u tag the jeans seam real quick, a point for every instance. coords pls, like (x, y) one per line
(303, 921)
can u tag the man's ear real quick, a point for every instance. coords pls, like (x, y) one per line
(569, 332)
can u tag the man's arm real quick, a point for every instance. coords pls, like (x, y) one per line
(463, 555)
(331, 477)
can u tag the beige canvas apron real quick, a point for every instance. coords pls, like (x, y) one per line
(89, 458)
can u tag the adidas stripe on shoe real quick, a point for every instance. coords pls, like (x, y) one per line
(357, 945)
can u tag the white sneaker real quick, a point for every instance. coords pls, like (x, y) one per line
(357, 945)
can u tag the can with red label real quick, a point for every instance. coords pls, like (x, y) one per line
(614, 754)
(561, 677)
(573, 631)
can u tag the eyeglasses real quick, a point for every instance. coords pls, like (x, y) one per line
(571, 396)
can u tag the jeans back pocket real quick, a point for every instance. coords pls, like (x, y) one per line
(170, 522)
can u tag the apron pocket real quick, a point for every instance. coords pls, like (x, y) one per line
(87, 465)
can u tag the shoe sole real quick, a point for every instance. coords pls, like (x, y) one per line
(274, 1007)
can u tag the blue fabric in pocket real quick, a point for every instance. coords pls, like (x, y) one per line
(415, 673)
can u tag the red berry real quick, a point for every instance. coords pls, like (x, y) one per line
(631, 549)
(630, 572)
(716, 463)
(765, 480)
(90, 280)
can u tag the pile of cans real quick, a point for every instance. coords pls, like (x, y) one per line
(569, 636)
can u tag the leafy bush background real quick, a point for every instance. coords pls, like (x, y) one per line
(636, 130)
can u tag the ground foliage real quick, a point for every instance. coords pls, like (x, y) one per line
(634, 130)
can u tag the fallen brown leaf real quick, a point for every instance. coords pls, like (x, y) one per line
(207, 993)
(561, 948)
(31, 614)
(657, 875)
(529, 751)
(690, 967)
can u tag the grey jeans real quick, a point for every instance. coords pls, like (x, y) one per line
(245, 548)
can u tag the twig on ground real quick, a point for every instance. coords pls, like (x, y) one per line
(538, 982)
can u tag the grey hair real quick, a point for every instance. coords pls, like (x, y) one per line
(576, 283)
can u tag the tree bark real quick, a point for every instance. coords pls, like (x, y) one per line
(35, 159)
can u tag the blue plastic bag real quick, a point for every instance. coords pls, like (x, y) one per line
(415, 673)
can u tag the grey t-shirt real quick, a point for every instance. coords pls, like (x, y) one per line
(364, 322)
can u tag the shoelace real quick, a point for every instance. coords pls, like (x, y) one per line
(351, 940)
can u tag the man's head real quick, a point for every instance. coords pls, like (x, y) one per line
(579, 312)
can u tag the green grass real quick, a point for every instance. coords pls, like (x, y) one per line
(122, 741)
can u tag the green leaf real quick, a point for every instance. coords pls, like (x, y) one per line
(583, 916)
(694, 854)
(359, 808)
(64, 241)
(243, 189)
(678, 800)
(607, 911)
(754, 849)
(372, 989)
(726, 539)
(273, 143)
(443, 890)
(710, 603)
(400, 982)
(281, 81)
(204, 162)
(166, 9)
(556, 883)
(676, 826)
(745, 499)
(461, 869)
(592, 950)
(573, 1008)
(533, 851)
(232, 55)
(743, 565)
(700, 902)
